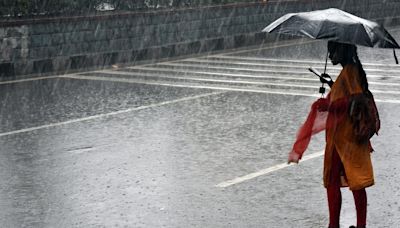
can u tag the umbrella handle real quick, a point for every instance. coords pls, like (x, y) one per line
(322, 88)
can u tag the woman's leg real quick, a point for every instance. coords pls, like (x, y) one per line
(333, 191)
(335, 204)
(360, 200)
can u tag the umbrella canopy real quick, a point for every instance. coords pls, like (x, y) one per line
(336, 25)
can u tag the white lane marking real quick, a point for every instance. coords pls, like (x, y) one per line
(184, 68)
(245, 58)
(194, 64)
(106, 114)
(216, 80)
(383, 83)
(133, 74)
(288, 64)
(201, 62)
(131, 80)
(148, 82)
(311, 78)
(302, 75)
(80, 150)
(250, 176)
(305, 75)
(27, 80)
(387, 101)
(385, 91)
(275, 71)
(308, 94)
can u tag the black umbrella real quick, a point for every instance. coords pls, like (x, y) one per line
(336, 25)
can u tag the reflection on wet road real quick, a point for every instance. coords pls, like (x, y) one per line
(34, 103)
(145, 146)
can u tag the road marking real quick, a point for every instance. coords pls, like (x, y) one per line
(184, 68)
(265, 171)
(235, 66)
(107, 114)
(241, 81)
(177, 67)
(125, 80)
(202, 62)
(80, 150)
(311, 78)
(259, 59)
(218, 80)
(272, 74)
(206, 62)
(192, 67)
(387, 101)
(27, 80)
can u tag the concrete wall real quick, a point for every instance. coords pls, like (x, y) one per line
(62, 45)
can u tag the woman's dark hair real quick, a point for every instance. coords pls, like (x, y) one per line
(350, 56)
(363, 75)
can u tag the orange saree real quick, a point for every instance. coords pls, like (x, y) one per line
(332, 115)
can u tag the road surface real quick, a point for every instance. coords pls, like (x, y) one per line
(196, 142)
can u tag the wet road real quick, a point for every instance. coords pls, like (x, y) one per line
(147, 146)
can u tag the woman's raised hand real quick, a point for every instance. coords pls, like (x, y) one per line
(325, 78)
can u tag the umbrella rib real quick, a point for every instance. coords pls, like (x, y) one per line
(370, 42)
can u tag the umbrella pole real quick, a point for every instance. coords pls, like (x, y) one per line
(322, 88)
(326, 61)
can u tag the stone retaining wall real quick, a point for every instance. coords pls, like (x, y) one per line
(69, 44)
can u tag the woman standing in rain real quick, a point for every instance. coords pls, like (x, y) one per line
(350, 118)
